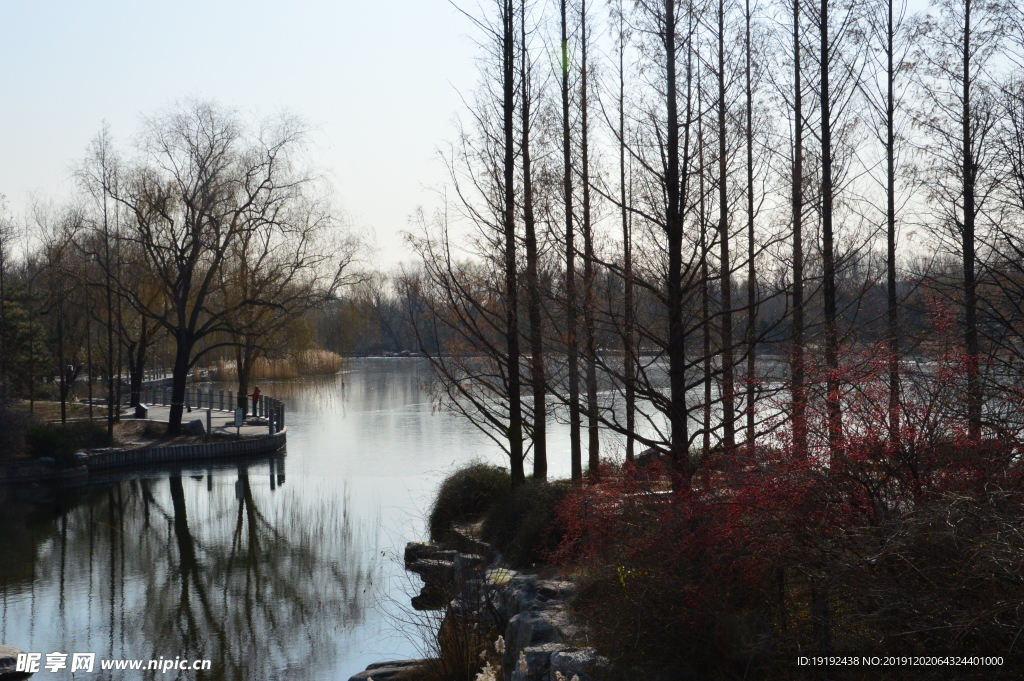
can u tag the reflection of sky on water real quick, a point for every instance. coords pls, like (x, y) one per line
(219, 568)
(295, 580)
(298, 581)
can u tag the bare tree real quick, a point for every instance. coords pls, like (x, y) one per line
(837, 84)
(98, 176)
(537, 373)
(473, 307)
(60, 270)
(508, 103)
(287, 263)
(628, 305)
(590, 349)
(667, 178)
(751, 335)
(203, 185)
(572, 350)
(725, 264)
(886, 97)
(798, 368)
(958, 41)
(6, 241)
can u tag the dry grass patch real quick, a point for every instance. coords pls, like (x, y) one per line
(50, 411)
(308, 363)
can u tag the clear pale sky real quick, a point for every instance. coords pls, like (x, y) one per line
(377, 79)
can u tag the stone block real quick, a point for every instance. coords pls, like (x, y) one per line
(526, 630)
(9, 662)
(380, 671)
(195, 427)
(582, 662)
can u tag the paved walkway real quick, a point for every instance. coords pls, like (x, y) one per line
(221, 422)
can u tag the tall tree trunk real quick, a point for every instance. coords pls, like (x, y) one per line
(108, 286)
(137, 365)
(593, 441)
(827, 247)
(674, 230)
(515, 423)
(890, 215)
(62, 366)
(629, 360)
(575, 450)
(120, 347)
(798, 370)
(88, 361)
(245, 362)
(4, 347)
(705, 316)
(974, 389)
(179, 377)
(705, 279)
(540, 458)
(751, 272)
(31, 349)
(728, 383)
(109, 290)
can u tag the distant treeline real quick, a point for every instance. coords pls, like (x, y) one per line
(212, 241)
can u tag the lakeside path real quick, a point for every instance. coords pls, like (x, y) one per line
(136, 449)
(221, 422)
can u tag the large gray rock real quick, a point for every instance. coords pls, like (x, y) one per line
(444, 573)
(396, 663)
(537, 661)
(9, 662)
(447, 567)
(431, 597)
(582, 662)
(195, 427)
(417, 550)
(554, 590)
(379, 671)
(526, 630)
(539, 625)
(465, 542)
(520, 594)
(433, 571)
(480, 601)
(562, 620)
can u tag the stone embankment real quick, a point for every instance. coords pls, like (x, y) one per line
(114, 458)
(105, 459)
(541, 639)
(381, 671)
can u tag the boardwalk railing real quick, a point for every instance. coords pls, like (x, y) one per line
(217, 400)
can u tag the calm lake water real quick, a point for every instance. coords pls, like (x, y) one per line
(284, 568)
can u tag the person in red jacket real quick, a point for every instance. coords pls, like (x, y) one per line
(255, 400)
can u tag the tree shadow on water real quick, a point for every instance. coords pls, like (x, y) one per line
(264, 583)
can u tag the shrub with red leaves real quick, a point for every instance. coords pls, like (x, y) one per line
(901, 536)
(906, 547)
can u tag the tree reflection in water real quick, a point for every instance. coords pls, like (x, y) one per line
(263, 581)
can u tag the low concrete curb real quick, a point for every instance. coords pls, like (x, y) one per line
(29, 472)
(127, 458)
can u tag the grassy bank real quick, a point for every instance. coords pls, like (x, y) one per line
(60, 442)
(50, 411)
(38, 433)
